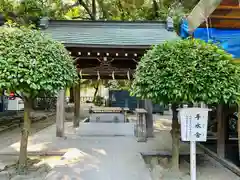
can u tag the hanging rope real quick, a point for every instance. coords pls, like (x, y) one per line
(128, 75)
(207, 25)
(208, 35)
(80, 73)
(98, 76)
(210, 26)
(113, 77)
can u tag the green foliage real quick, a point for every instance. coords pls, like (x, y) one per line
(6, 5)
(98, 101)
(29, 11)
(74, 13)
(118, 84)
(32, 63)
(187, 71)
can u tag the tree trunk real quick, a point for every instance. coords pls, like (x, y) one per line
(96, 91)
(149, 121)
(155, 9)
(24, 139)
(85, 6)
(222, 126)
(94, 10)
(238, 129)
(175, 138)
(77, 101)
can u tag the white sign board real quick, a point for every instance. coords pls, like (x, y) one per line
(194, 123)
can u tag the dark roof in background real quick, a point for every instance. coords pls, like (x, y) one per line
(110, 33)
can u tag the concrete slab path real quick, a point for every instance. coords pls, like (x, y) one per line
(100, 157)
(103, 155)
(111, 153)
(106, 129)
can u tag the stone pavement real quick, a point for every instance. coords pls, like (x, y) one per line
(105, 156)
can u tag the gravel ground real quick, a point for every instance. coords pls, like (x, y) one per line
(39, 170)
(207, 167)
(12, 136)
(9, 137)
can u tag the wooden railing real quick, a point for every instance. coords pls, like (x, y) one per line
(45, 103)
(84, 99)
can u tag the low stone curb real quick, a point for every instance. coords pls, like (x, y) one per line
(232, 167)
(4, 175)
(11, 127)
(36, 120)
(168, 153)
(35, 153)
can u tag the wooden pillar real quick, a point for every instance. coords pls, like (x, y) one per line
(221, 131)
(138, 104)
(60, 116)
(238, 129)
(71, 100)
(125, 111)
(140, 128)
(149, 117)
(76, 105)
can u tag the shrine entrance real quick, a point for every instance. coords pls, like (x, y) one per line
(104, 50)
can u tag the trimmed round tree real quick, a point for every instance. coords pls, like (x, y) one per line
(30, 64)
(186, 71)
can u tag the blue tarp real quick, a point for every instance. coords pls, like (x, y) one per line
(184, 29)
(228, 39)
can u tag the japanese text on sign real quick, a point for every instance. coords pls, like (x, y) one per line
(193, 124)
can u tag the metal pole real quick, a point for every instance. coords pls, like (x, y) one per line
(192, 156)
(193, 160)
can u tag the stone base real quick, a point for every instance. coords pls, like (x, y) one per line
(106, 117)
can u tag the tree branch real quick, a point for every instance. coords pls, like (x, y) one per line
(120, 7)
(155, 9)
(84, 5)
(18, 95)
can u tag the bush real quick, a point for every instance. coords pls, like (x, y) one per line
(187, 71)
(98, 101)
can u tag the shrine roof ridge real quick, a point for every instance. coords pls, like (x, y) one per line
(108, 22)
(108, 33)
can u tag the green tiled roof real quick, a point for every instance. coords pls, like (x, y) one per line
(109, 33)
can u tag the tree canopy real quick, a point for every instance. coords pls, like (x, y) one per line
(29, 11)
(32, 63)
(187, 71)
